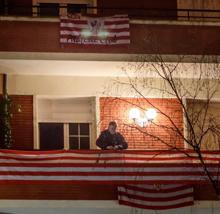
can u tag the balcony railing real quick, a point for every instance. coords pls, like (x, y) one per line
(56, 10)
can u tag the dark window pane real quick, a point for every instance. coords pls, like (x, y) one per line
(19, 7)
(76, 8)
(2, 7)
(84, 129)
(73, 128)
(84, 143)
(49, 9)
(51, 136)
(74, 143)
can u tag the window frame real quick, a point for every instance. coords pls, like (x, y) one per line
(67, 136)
(94, 117)
(63, 11)
(187, 104)
(46, 10)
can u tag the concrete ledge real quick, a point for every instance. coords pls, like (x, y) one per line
(132, 21)
(83, 204)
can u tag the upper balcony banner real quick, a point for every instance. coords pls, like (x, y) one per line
(115, 167)
(83, 30)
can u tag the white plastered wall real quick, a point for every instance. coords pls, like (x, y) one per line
(49, 85)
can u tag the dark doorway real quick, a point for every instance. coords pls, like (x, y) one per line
(51, 136)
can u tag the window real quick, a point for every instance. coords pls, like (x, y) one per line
(62, 8)
(76, 8)
(53, 136)
(2, 7)
(79, 136)
(69, 122)
(11, 7)
(48, 9)
(203, 119)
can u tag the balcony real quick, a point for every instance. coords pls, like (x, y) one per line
(188, 31)
(153, 30)
(65, 175)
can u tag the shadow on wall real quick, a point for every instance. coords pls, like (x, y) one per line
(6, 213)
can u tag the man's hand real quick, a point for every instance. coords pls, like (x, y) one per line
(116, 147)
(109, 147)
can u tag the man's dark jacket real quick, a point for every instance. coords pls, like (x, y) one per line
(107, 139)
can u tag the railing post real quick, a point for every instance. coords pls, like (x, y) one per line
(4, 84)
(35, 10)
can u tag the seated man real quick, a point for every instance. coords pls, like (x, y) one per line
(110, 139)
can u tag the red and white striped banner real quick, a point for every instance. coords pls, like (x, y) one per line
(97, 166)
(156, 197)
(97, 31)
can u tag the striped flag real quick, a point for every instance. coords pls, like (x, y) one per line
(95, 31)
(115, 167)
(156, 197)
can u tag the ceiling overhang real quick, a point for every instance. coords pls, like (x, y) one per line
(86, 64)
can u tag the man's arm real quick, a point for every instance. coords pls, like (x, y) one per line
(122, 144)
(101, 142)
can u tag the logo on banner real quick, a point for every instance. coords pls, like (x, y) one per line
(96, 26)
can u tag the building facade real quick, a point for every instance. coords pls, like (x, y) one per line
(69, 93)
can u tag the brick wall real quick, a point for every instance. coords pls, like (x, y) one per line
(22, 122)
(65, 191)
(175, 39)
(118, 109)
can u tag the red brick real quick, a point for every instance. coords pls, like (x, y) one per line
(112, 108)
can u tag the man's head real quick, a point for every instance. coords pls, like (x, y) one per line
(112, 126)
